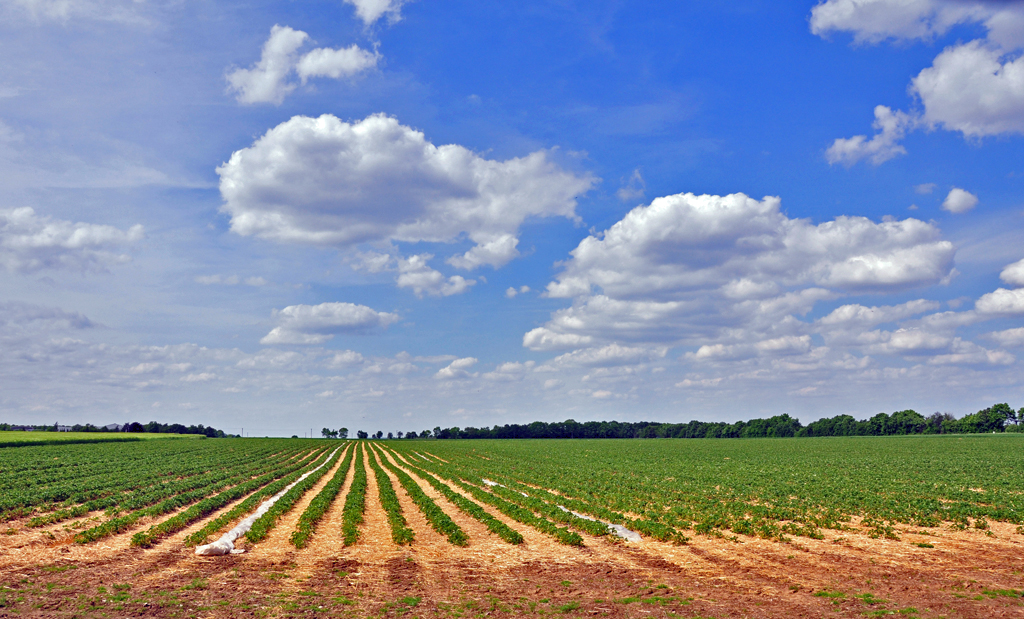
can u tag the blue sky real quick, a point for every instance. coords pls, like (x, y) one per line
(387, 215)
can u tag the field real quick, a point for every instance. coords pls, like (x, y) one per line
(924, 526)
(17, 438)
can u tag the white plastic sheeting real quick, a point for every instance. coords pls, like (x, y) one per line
(617, 529)
(226, 544)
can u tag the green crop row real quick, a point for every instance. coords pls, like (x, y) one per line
(439, 520)
(147, 538)
(519, 514)
(318, 506)
(267, 521)
(292, 473)
(494, 525)
(401, 534)
(355, 501)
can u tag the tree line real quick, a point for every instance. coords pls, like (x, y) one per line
(152, 426)
(996, 418)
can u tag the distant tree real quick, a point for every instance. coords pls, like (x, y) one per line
(295, 436)
(135, 426)
(437, 432)
(326, 432)
(361, 434)
(426, 433)
(379, 434)
(399, 434)
(390, 435)
(343, 432)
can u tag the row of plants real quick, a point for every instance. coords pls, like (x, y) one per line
(320, 503)
(265, 523)
(439, 520)
(147, 538)
(474, 486)
(494, 525)
(202, 536)
(401, 534)
(355, 501)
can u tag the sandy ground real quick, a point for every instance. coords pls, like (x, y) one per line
(968, 573)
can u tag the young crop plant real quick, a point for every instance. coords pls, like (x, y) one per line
(318, 506)
(401, 534)
(178, 522)
(295, 471)
(513, 511)
(494, 525)
(355, 501)
(439, 520)
(267, 521)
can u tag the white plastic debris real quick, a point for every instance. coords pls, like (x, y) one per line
(226, 544)
(617, 529)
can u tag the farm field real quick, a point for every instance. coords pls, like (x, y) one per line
(923, 526)
(18, 438)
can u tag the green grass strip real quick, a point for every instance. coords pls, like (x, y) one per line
(494, 525)
(262, 527)
(355, 502)
(318, 506)
(293, 472)
(401, 534)
(439, 520)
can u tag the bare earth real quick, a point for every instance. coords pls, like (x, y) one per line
(43, 573)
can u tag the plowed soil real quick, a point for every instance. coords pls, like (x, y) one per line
(938, 572)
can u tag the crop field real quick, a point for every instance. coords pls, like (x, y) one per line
(14, 439)
(922, 526)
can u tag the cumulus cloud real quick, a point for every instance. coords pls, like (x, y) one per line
(267, 81)
(683, 243)
(1014, 274)
(323, 181)
(890, 126)
(976, 88)
(371, 10)
(511, 292)
(457, 370)
(959, 201)
(30, 242)
(733, 279)
(1002, 302)
(1010, 338)
(315, 324)
(416, 274)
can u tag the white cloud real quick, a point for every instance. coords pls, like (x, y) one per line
(326, 182)
(1002, 301)
(29, 242)
(416, 274)
(924, 188)
(632, 188)
(267, 80)
(873, 21)
(684, 243)
(973, 88)
(976, 88)
(546, 339)
(861, 317)
(511, 292)
(1010, 338)
(1014, 274)
(891, 127)
(199, 377)
(610, 355)
(315, 324)
(457, 369)
(959, 201)
(371, 10)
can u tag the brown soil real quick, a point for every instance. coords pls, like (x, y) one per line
(964, 574)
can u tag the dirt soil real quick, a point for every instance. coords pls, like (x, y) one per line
(936, 572)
